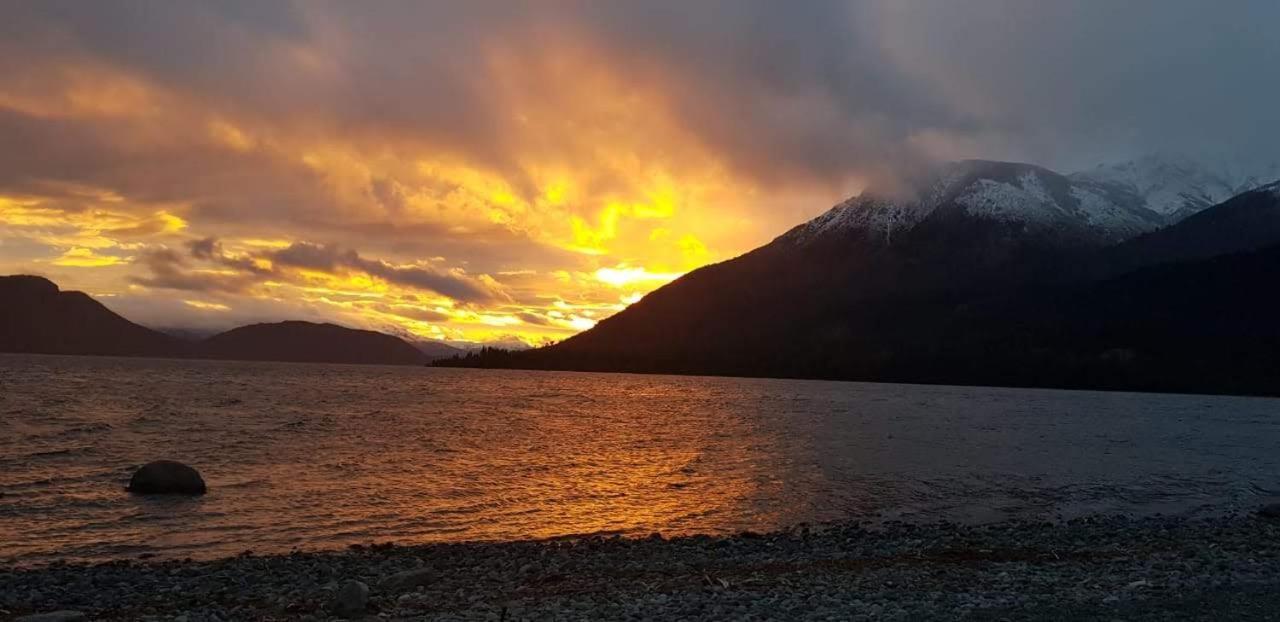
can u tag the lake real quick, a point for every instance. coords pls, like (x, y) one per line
(322, 456)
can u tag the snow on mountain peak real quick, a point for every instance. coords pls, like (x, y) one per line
(1110, 202)
(1176, 186)
(1020, 194)
(1025, 198)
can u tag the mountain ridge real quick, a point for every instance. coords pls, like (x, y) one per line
(39, 318)
(296, 341)
(1177, 185)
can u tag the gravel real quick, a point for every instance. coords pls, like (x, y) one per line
(1110, 567)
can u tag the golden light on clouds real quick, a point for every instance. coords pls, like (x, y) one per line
(80, 257)
(624, 276)
(206, 306)
(183, 207)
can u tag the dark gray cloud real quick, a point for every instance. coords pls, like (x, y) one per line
(820, 89)
(210, 249)
(331, 258)
(205, 248)
(534, 318)
(325, 257)
(170, 270)
(411, 312)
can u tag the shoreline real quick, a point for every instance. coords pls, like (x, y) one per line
(1189, 392)
(1102, 566)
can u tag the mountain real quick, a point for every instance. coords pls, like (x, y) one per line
(1248, 221)
(188, 334)
(1204, 326)
(435, 349)
(36, 317)
(1177, 186)
(306, 342)
(823, 290)
(985, 273)
(1025, 199)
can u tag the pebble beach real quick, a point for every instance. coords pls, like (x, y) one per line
(1103, 567)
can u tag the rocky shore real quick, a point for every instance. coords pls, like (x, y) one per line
(1156, 568)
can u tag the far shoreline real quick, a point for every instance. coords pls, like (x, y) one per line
(1120, 391)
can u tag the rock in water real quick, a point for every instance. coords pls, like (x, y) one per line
(1271, 510)
(54, 616)
(351, 599)
(166, 477)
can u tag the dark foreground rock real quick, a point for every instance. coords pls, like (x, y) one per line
(166, 477)
(351, 600)
(1225, 568)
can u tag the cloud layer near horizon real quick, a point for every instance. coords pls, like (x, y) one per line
(489, 170)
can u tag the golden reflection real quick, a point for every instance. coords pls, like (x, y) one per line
(710, 470)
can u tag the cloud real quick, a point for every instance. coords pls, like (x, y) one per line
(235, 273)
(534, 318)
(821, 88)
(452, 283)
(414, 312)
(169, 270)
(81, 257)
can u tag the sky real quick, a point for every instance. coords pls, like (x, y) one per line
(513, 172)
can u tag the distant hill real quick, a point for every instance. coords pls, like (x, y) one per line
(435, 349)
(307, 342)
(36, 317)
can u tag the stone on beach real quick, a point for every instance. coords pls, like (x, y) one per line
(407, 579)
(54, 616)
(166, 477)
(1119, 567)
(351, 599)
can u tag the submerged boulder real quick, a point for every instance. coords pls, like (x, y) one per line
(166, 477)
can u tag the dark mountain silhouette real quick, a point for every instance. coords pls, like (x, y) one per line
(1007, 296)
(36, 317)
(306, 342)
(1248, 221)
(435, 349)
(1205, 325)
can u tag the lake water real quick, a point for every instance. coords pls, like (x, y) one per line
(322, 456)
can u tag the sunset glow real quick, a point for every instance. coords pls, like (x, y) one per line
(204, 210)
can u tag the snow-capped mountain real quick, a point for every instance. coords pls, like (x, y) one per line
(1023, 196)
(1108, 204)
(1177, 186)
(987, 273)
